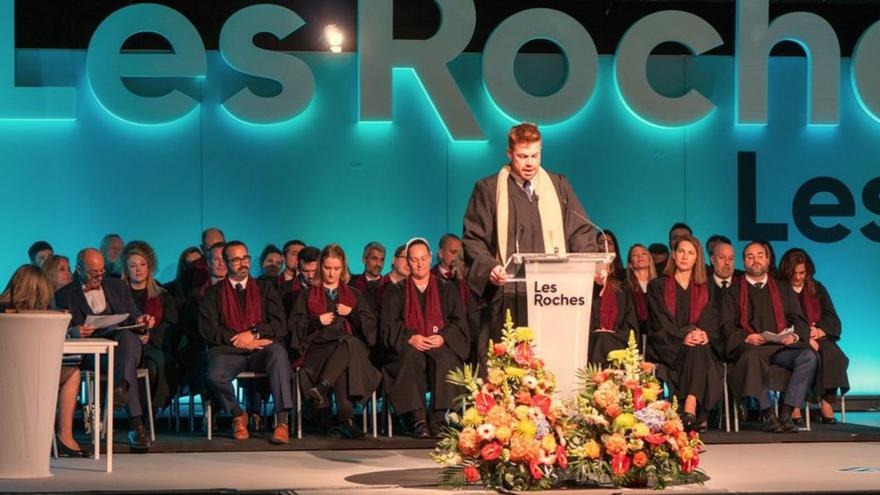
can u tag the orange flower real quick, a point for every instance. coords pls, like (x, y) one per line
(483, 402)
(592, 449)
(523, 449)
(523, 397)
(499, 349)
(691, 464)
(468, 440)
(523, 354)
(600, 377)
(631, 384)
(670, 428)
(640, 459)
(498, 416)
(615, 444)
(542, 402)
(612, 411)
(471, 474)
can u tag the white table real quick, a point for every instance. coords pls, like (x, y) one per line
(96, 347)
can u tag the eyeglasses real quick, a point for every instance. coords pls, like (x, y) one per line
(93, 273)
(242, 259)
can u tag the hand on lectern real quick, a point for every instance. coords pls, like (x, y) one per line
(498, 276)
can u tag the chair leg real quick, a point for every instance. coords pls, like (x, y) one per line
(735, 417)
(389, 417)
(727, 409)
(807, 415)
(843, 409)
(299, 417)
(54, 447)
(192, 411)
(150, 417)
(373, 412)
(209, 419)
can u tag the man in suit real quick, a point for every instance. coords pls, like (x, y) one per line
(242, 320)
(92, 293)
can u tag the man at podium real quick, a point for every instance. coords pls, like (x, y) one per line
(523, 208)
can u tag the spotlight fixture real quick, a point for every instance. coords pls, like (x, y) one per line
(334, 37)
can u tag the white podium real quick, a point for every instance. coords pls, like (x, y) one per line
(560, 292)
(30, 370)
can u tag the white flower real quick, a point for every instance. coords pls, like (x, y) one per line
(530, 381)
(486, 431)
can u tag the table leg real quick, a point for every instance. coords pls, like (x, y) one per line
(110, 352)
(96, 420)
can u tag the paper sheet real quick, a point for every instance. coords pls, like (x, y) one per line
(105, 321)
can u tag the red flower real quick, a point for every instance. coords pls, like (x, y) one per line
(693, 434)
(638, 400)
(620, 464)
(561, 457)
(471, 474)
(524, 354)
(535, 469)
(689, 466)
(640, 459)
(499, 349)
(600, 377)
(655, 439)
(523, 397)
(542, 402)
(491, 451)
(483, 402)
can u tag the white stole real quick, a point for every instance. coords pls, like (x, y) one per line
(548, 208)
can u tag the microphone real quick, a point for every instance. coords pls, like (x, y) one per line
(565, 203)
(516, 238)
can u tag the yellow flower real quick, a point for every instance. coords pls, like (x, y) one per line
(624, 422)
(515, 372)
(591, 449)
(496, 376)
(521, 412)
(618, 355)
(649, 394)
(502, 434)
(525, 334)
(640, 430)
(472, 417)
(527, 428)
(548, 443)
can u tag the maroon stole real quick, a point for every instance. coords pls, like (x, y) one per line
(640, 302)
(775, 299)
(812, 306)
(608, 309)
(699, 299)
(429, 323)
(462, 286)
(231, 311)
(317, 303)
(153, 307)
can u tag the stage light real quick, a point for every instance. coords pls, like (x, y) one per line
(334, 37)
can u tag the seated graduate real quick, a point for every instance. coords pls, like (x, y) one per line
(763, 305)
(639, 272)
(332, 327)
(368, 282)
(450, 264)
(685, 333)
(612, 317)
(797, 269)
(30, 289)
(57, 269)
(607, 238)
(242, 321)
(290, 252)
(91, 293)
(160, 351)
(111, 248)
(306, 276)
(424, 326)
(270, 263)
(194, 275)
(39, 252)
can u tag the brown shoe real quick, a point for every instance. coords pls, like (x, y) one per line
(281, 435)
(240, 427)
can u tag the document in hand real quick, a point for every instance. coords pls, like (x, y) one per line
(776, 338)
(105, 321)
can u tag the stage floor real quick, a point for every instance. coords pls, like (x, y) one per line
(744, 468)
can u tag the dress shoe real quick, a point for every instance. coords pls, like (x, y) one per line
(120, 395)
(799, 422)
(437, 428)
(349, 429)
(771, 422)
(281, 435)
(689, 421)
(138, 440)
(788, 425)
(65, 451)
(240, 427)
(256, 422)
(318, 394)
(828, 421)
(421, 430)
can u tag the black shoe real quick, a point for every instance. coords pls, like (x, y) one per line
(771, 422)
(349, 429)
(788, 425)
(828, 421)
(689, 421)
(437, 428)
(318, 394)
(421, 430)
(799, 422)
(65, 451)
(138, 440)
(120, 396)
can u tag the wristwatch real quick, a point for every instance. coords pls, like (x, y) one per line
(255, 333)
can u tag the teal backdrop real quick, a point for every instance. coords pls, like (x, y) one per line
(324, 177)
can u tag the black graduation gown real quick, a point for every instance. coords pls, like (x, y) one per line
(480, 244)
(689, 370)
(643, 323)
(316, 342)
(161, 349)
(218, 336)
(410, 373)
(601, 343)
(751, 373)
(833, 363)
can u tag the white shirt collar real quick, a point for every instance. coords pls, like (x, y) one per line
(242, 282)
(798, 290)
(753, 281)
(719, 280)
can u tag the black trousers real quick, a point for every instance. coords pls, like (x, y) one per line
(271, 360)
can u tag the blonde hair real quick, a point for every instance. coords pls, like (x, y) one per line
(698, 272)
(144, 250)
(50, 266)
(28, 289)
(630, 271)
(333, 251)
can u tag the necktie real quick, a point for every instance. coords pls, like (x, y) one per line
(240, 292)
(527, 187)
(759, 285)
(724, 284)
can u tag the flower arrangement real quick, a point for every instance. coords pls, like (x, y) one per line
(622, 432)
(510, 435)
